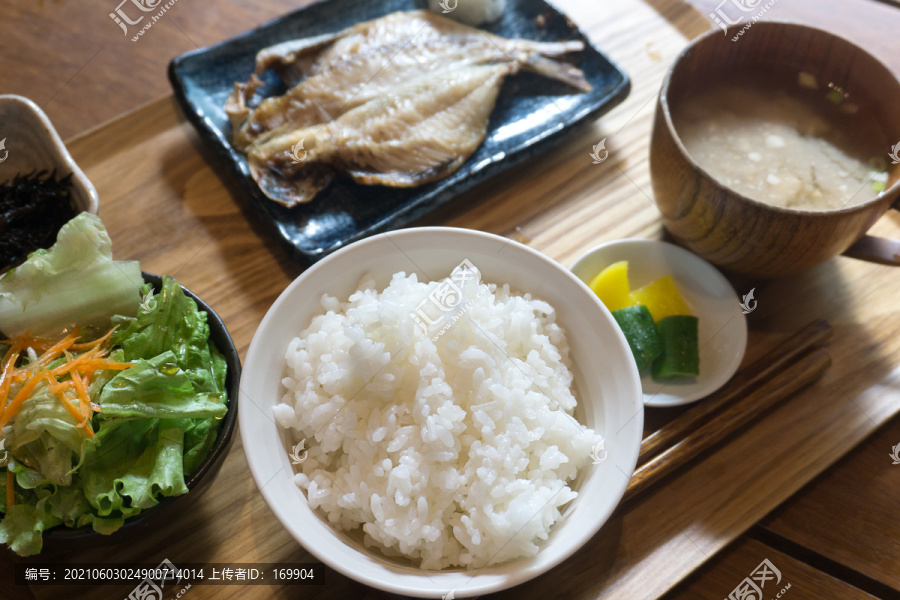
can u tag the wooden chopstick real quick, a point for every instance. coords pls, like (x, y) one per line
(796, 376)
(812, 336)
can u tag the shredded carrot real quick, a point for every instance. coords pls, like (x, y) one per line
(39, 344)
(28, 341)
(84, 399)
(79, 369)
(98, 342)
(102, 365)
(8, 368)
(15, 347)
(73, 410)
(59, 389)
(76, 363)
(10, 489)
(55, 350)
(21, 397)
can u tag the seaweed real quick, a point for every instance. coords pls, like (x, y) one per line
(33, 208)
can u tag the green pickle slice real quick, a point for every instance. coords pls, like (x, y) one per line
(641, 333)
(681, 352)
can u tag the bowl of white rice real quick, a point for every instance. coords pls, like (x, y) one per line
(439, 410)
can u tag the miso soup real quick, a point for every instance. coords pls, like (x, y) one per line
(808, 147)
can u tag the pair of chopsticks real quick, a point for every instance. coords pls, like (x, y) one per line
(795, 363)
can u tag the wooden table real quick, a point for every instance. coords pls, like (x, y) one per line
(165, 205)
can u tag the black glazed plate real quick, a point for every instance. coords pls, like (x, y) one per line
(63, 539)
(532, 113)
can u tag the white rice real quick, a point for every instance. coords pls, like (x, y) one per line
(449, 452)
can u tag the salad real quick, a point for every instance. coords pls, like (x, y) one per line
(111, 395)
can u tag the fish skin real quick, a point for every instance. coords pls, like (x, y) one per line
(348, 69)
(292, 186)
(293, 59)
(416, 134)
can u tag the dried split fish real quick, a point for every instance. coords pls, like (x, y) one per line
(377, 66)
(413, 135)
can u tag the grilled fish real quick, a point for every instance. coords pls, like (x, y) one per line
(332, 74)
(414, 134)
(399, 101)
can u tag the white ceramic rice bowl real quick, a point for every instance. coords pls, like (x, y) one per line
(608, 391)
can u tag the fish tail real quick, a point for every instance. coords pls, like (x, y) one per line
(557, 70)
(556, 48)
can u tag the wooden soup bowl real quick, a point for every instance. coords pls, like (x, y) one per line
(745, 235)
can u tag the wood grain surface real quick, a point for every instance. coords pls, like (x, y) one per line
(706, 435)
(748, 378)
(851, 515)
(729, 569)
(166, 205)
(870, 24)
(73, 60)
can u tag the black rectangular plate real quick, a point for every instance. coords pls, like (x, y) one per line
(531, 114)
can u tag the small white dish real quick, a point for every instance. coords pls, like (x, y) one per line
(722, 326)
(608, 391)
(32, 144)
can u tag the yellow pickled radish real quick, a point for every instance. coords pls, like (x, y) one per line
(611, 286)
(662, 299)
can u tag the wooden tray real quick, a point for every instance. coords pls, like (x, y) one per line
(165, 205)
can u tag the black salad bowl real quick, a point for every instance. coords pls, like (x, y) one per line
(63, 539)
